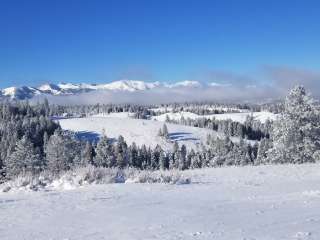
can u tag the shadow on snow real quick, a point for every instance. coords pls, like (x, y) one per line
(181, 136)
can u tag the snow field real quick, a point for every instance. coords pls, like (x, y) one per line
(138, 131)
(264, 202)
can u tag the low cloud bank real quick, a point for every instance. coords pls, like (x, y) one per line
(165, 95)
(270, 82)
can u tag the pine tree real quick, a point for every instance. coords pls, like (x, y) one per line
(121, 152)
(24, 159)
(172, 164)
(163, 161)
(263, 149)
(182, 157)
(296, 133)
(175, 155)
(133, 155)
(190, 157)
(154, 160)
(103, 152)
(62, 152)
(87, 154)
(165, 132)
(196, 161)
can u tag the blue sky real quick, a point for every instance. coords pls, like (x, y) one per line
(167, 40)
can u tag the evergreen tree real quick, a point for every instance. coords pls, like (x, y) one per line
(296, 133)
(163, 161)
(182, 158)
(133, 156)
(87, 154)
(24, 159)
(172, 164)
(62, 152)
(121, 152)
(190, 158)
(102, 153)
(165, 132)
(263, 149)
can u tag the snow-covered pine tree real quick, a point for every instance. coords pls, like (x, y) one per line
(62, 152)
(190, 157)
(87, 154)
(154, 163)
(196, 161)
(182, 157)
(133, 155)
(171, 157)
(263, 148)
(296, 133)
(24, 159)
(163, 161)
(121, 152)
(102, 152)
(165, 132)
(176, 155)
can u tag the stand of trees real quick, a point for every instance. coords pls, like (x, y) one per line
(23, 127)
(250, 129)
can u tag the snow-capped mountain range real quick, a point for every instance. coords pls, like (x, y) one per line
(25, 92)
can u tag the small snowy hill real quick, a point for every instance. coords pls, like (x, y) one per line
(137, 130)
(19, 92)
(237, 117)
(262, 203)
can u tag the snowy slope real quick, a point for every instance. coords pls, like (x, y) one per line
(176, 116)
(115, 115)
(261, 203)
(241, 117)
(138, 131)
(237, 117)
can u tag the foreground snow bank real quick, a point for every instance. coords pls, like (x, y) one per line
(91, 175)
(261, 203)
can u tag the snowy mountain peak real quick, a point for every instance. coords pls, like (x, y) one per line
(130, 85)
(24, 92)
(19, 92)
(50, 88)
(187, 83)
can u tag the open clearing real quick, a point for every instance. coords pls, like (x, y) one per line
(138, 131)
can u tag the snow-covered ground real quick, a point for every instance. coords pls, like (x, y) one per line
(175, 116)
(237, 117)
(137, 130)
(241, 117)
(115, 115)
(266, 202)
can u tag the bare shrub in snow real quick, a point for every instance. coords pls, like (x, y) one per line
(91, 175)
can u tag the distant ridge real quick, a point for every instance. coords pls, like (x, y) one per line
(26, 92)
